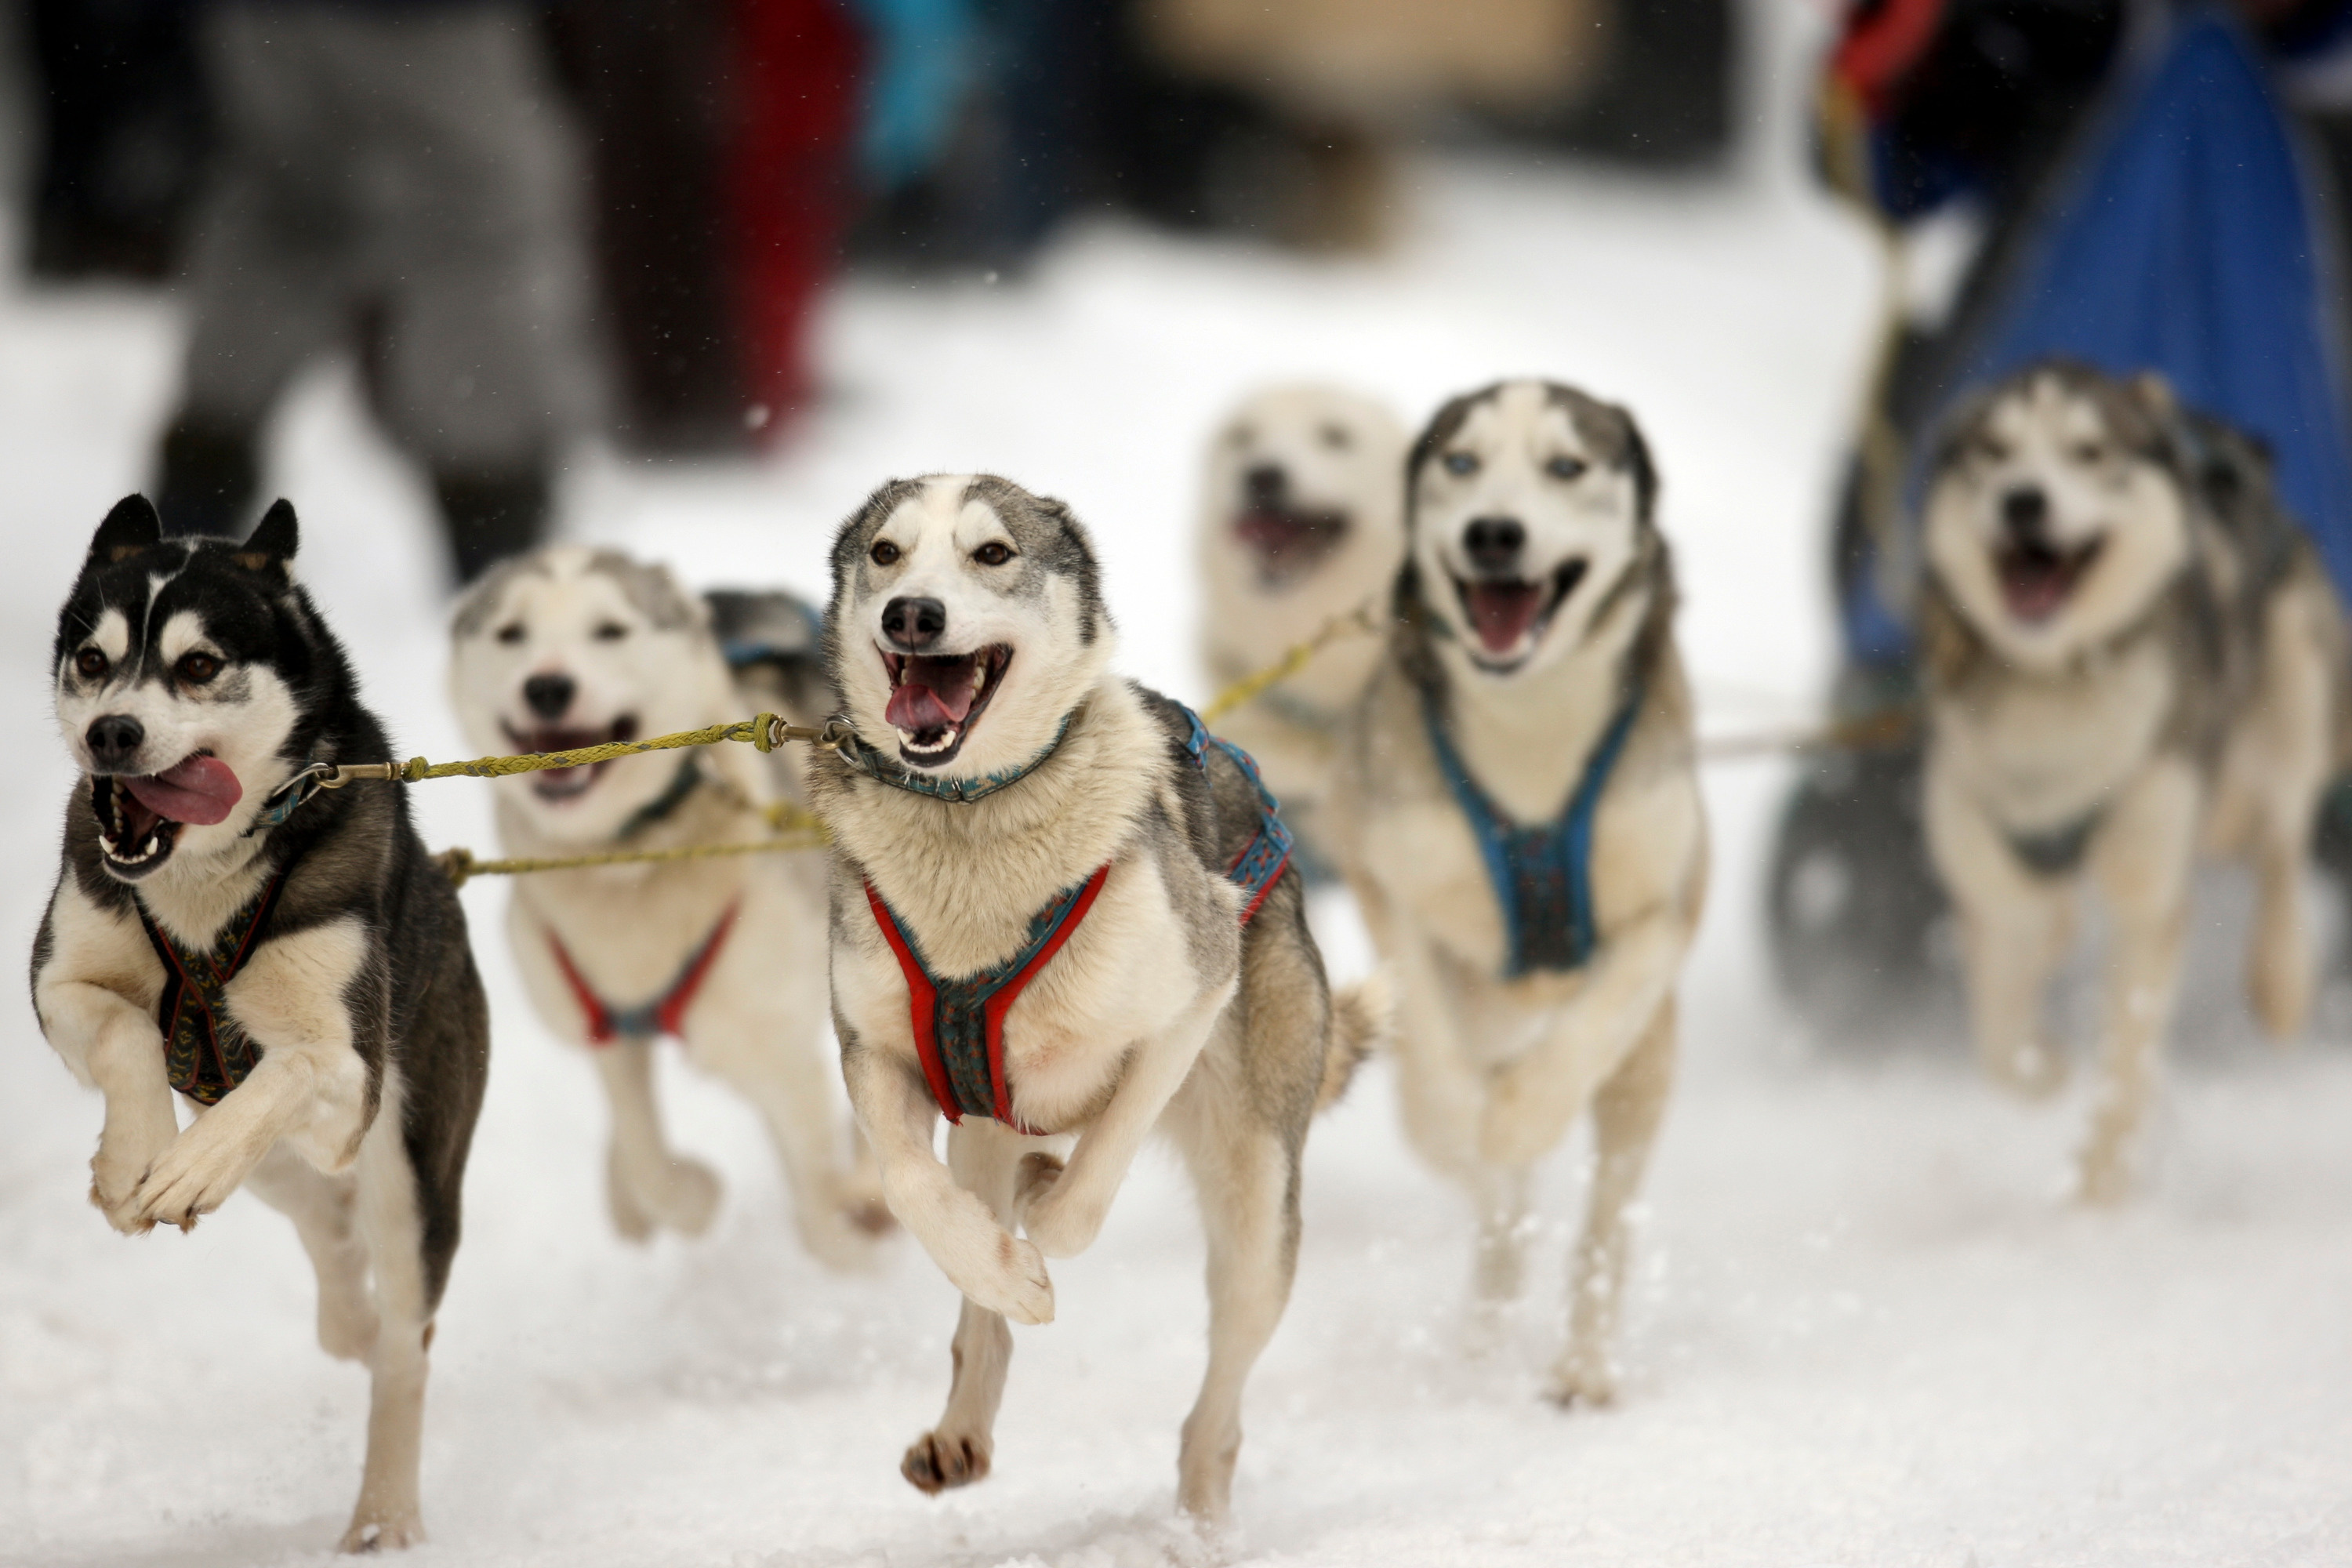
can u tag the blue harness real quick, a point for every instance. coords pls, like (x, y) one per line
(959, 1021)
(1542, 875)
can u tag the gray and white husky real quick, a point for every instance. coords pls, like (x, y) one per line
(289, 963)
(1302, 520)
(2128, 647)
(1062, 916)
(570, 647)
(1518, 810)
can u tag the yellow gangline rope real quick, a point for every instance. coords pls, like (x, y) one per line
(1250, 687)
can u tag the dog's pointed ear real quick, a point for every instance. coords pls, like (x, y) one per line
(2155, 394)
(132, 526)
(273, 541)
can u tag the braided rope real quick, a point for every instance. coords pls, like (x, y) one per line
(458, 864)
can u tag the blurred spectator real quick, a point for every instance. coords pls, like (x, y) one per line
(390, 178)
(120, 122)
(720, 136)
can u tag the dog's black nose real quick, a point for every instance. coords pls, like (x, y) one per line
(549, 695)
(1266, 484)
(1495, 542)
(2025, 510)
(914, 625)
(114, 741)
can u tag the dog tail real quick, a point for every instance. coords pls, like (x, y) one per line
(1363, 1019)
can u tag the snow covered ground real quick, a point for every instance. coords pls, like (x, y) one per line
(1867, 1328)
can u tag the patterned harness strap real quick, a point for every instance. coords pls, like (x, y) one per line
(960, 1023)
(205, 1053)
(665, 1014)
(1542, 874)
(1259, 864)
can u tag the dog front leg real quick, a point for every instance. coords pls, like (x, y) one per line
(1063, 1209)
(994, 1267)
(1440, 1097)
(645, 1183)
(388, 1512)
(1531, 1101)
(2142, 864)
(2014, 929)
(210, 1159)
(1627, 1111)
(984, 1158)
(117, 1049)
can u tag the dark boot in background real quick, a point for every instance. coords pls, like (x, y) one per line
(207, 480)
(488, 517)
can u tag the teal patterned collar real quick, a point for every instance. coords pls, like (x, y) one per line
(881, 769)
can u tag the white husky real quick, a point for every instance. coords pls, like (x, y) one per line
(569, 648)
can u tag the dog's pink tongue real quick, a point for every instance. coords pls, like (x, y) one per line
(1502, 612)
(201, 790)
(935, 693)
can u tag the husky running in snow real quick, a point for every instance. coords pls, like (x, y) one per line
(2128, 646)
(1302, 520)
(1063, 917)
(571, 647)
(1518, 810)
(289, 961)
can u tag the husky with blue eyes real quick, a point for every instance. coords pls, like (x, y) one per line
(1064, 918)
(2131, 651)
(285, 961)
(1518, 810)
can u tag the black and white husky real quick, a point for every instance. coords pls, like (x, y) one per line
(1062, 917)
(2130, 649)
(570, 647)
(1518, 812)
(289, 963)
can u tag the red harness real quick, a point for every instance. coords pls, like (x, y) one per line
(665, 1014)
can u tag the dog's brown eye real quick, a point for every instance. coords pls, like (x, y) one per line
(511, 632)
(884, 553)
(1336, 437)
(1564, 467)
(611, 631)
(992, 553)
(2089, 452)
(1988, 451)
(89, 663)
(195, 668)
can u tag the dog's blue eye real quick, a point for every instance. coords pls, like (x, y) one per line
(1461, 463)
(1564, 467)
(511, 632)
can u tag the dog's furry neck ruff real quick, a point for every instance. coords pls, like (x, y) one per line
(875, 765)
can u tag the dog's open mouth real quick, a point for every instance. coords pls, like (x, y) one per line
(569, 783)
(2037, 579)
(936, 698)
(1289, 541)
(1509, 615)
(139, 816)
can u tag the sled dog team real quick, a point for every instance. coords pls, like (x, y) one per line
(1062, 914)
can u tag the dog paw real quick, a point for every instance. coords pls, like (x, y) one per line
(834, 1239)
(688, 1199)
(193, 1177)
(127, 1150)
(1059, 1219)
(1012, 1282)
(2030, 1069)
(936, 1461)
(629, 1216)
(385, 1531)
(1583, 1378)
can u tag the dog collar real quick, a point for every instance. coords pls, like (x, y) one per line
(850, 748)
(289, 797)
